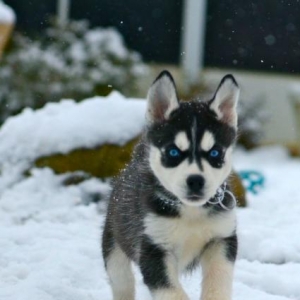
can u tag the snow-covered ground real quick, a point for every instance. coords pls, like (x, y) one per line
(50, 232)
(50, 237)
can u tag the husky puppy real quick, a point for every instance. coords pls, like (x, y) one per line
(170, 209)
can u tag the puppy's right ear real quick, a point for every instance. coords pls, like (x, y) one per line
(162, 98)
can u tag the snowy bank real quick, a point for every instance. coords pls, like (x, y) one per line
(67, 125)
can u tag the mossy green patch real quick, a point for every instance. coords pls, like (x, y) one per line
(103, 161)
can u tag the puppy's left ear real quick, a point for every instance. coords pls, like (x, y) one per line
(225, 101)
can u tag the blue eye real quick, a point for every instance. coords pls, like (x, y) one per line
(173, 152)
(214, 153)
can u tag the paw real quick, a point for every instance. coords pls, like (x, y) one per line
(216, 296)
(170, 294)
(124, 295)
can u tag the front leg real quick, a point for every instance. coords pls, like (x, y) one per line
(217, 269)
(160, 272)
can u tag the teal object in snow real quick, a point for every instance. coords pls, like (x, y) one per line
(252, 180)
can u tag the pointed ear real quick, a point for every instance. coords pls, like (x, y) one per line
(225, 101)
(162, 98)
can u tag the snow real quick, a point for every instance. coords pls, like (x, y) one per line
(278, 240)
(50, 232)
(67, 125)
(7, 15)
(112, 40)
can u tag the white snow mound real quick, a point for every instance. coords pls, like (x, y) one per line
(67, 125)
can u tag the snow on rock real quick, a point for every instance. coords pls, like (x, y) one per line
(62, 127)
(7, 15)
(65, 126)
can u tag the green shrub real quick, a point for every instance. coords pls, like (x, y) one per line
(74, 62)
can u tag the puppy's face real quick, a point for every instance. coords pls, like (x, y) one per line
(191, 142)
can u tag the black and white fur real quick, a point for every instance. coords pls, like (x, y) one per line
(162, 212)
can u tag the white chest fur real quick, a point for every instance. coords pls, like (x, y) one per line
(186, 236)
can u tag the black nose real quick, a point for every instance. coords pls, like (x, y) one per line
(195, 183)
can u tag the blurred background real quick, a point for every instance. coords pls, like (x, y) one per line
(200, 41)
